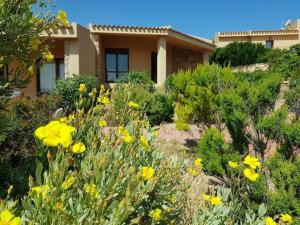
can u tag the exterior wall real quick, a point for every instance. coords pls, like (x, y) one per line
(183, 58)
(280, 41)
(140, 49)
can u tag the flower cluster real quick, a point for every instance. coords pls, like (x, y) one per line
(286, 218)
(68, 182)
(91, 189)
(147, 172)
(55, 133)
(194, 171)
(8, 218)
(62, 17)
(214, 200)
(155, 214)
(124, 134)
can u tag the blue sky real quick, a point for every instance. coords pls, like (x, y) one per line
(197, 17)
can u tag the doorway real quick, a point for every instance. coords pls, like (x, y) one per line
(154, 66)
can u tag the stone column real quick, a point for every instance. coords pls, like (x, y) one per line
(96, 41)
(161, 61)
(205, 57)
(71, 57)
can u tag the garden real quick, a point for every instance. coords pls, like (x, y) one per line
(83, 154)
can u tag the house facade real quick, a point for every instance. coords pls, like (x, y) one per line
(281, 38)
(110, 52)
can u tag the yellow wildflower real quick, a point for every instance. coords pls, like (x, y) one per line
(155, 214)
(78, 148)
(9, 190)
(197, 162)
(71, 117)
(92, 190)
(30, 69)
(55, 133)
(68, 182)
(193, 172)
(147, 172)
(82, 88)
(62, 17)
(251, 174)
(102, 123)
(48, 56)
(207, 198)
(103, 100)
(58, 205)
(7, 218)
(63, 119)
(173, 199)
(286, 218)
(233, 164)
(215, 200)
(270, 221)
(41, 190)
(144, 143)
(132, 104)
(252, 161)
(125, 134)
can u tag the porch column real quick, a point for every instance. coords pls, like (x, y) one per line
(71, 57)
(161, 61)
(205, 57)
(96, 41)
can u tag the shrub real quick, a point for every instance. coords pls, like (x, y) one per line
(157, 106)
(68, 90)
(215, 152)
(105, 173)
(238, 53)
(286, 177)
(139, 78)
(17, 123)
(292, 98)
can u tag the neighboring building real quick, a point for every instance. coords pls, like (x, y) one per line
(109, 52)
(281, 38)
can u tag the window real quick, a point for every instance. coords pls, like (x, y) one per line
(269, 44)
(116, 64)
(49, 73)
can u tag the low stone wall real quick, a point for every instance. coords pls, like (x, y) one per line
(251, 68)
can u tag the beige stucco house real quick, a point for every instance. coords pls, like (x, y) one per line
(281, 38)
(109, 52)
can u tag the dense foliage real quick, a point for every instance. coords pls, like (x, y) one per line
(239, 53)
(67, 90)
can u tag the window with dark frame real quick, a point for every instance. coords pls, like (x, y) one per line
(269, 43)
(116, 64)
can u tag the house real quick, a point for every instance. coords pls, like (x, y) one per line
(280, 38)
(110, 52)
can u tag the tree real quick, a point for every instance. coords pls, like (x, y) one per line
(22, 23)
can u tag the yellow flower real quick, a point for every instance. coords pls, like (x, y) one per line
(68, 182)
(124, 134)
(132, 104)
(82, 88)
(270, 221)
(251, 174)
(7, 218)
(48, 56)
(30, 69)
(215, 200)
(147, 172)
(35, 43)
(41, 190)
(62, 17)
(71, 117)
(207, 198)
(55, 133)
(173, 199)
(63, 119)
(9, 190)
(193, 172)
(286, 218)
(144, 142)
(58, 205)
(252, 161)
(233, 164)
(92, 190)
(155, 214)
(102, 123)
(78, 148)
(103, 100)
(197, 162)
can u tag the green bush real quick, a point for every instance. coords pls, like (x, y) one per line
(158, 107)
(139, 78)
(239, 53)
(285, 175)
(215, 152)
(17, 124)
(68, 90)
(292, 98)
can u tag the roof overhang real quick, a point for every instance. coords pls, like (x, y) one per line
(166, 31)
(258, 33)
(63, 32)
